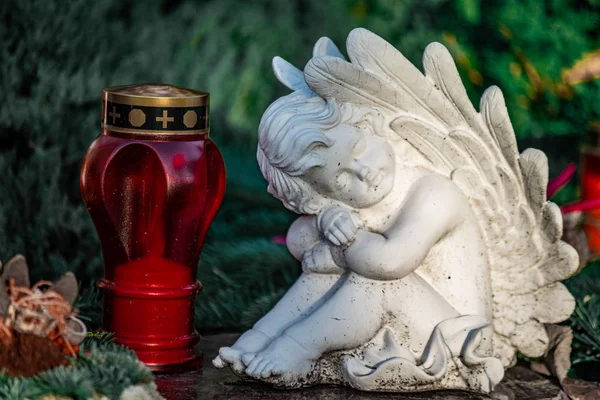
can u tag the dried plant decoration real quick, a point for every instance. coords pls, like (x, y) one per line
(44, 310)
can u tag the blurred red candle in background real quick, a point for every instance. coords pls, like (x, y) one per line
(152, 182)
(590, 186)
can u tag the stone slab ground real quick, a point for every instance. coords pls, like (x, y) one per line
(210, 383)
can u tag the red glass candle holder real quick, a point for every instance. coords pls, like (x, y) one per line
(590, 185)
(152, 182)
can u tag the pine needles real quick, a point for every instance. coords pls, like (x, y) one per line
(98, 339)
(100, 368)
(70, 382)
(112, 369)
(585, 321)
(89, 306)
(586, 330)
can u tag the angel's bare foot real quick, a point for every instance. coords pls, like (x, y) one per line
(286, 361)
(251, 341)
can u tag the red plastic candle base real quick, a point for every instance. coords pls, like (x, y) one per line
(159, 323)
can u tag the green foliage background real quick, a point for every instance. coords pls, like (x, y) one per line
(56, 56)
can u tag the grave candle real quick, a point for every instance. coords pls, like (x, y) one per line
(590, 187)
(152, 183)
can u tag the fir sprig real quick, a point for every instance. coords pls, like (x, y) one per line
(70, 382)
(16, 389)
(586, 330)
(585, 321)
(101, 367)
(98, 339)
(89, 305)
(113, 368)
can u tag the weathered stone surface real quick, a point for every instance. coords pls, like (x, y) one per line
(581, 390)
(213, 384)
(522, 383)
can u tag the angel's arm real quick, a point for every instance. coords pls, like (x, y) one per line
(433, 207)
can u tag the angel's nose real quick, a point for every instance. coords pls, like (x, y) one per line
(364, 172)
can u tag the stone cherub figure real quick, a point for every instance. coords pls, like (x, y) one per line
(430, 254)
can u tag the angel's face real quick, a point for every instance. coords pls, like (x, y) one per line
(359, 167)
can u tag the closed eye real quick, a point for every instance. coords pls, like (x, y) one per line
(359, 148)
(342, 179)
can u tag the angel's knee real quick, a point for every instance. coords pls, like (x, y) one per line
(302, 235)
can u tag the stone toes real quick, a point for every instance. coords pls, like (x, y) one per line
(267, 370)
(238, 367)
(228, 354)
(251, 369)
(258, 372)
(276, 369)
(218, 362)
(247, 358)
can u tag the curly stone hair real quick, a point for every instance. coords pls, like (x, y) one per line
(289, 131)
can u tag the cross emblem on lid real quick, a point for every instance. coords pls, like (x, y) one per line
(114, 114)
(165, 119)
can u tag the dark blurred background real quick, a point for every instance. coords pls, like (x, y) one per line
(57, 56)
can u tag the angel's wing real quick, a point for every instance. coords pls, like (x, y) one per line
(478, 152)
(292, 77)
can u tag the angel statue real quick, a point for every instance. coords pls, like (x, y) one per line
(429, 251)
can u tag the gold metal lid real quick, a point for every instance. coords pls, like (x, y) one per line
(155, 109)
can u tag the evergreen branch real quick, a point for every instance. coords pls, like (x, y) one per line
(15, 389)
(70, 382)
(585, 321)
(97, 338)
(100, 368)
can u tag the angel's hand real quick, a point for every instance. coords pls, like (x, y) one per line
(339, 225)
(319, 260)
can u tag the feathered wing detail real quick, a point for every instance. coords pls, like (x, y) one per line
(494, 112)
(332, 77)
(478, 152)
(292, 77)
(374, 55)
(326, 47)
(439, 67)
